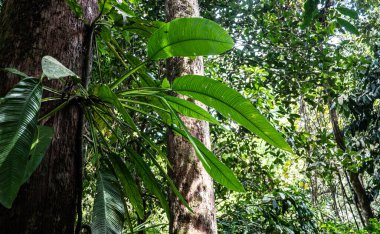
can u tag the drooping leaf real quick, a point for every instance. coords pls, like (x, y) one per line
(128, 184)
(108, 211)
(231, 104)
(75, 7)
(190, 109)
(188, 37)
(18, 126)
(149, 179)
(39, 148)
(53, 69)
(348, 12)
(310, 7)
(16, 72)
(348, 26)
(216, 169)
(169, 181)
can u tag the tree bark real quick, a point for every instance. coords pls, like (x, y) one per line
(188, 173)
(360, 192)
(29, 31)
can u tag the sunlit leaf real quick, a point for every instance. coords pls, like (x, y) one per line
(189, 37)
(231, 104)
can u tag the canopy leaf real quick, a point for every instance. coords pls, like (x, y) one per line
(188, 37)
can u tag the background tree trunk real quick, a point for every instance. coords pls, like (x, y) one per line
(188, 173)
(357, 186)
(30, 30)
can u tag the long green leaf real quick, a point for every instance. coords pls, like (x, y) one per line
(216, 169)
(15, 72)
(348, 12)
(149, 179)
(231, 104)
(108, 212)
(105, 93)
(128, 183)
(188, 37)
(189, 109)
(348, 26)
(18, 126)
(39, 148)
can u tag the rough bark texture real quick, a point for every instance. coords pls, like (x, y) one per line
(357, 186)
(30, 30)
(188, 173)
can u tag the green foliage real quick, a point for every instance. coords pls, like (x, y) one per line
(39, 147)
(188, 37)
(348, 26)
(189, 109)
(310, 7)
(108, 212)
(75, 7)
(348, 12)
(231, 104)
(18, 127)
(129, 187)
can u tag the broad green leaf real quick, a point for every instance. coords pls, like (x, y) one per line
(188, 37)
(231, 104)
(348, 12)
(108, 211)
(15, 72)
(75, 7)
(128, 183)
(18, 126)
(39, 148)
(53, 69)
(348, 26)
(189, 109)
(149, 179)
(310, 7)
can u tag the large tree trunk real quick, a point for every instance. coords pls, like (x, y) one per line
(30, 30)
(188, 173)
(357, 186)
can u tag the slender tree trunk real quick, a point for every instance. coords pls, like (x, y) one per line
(30, 30)
(335, 202)
(357, 186)
(188, 173)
